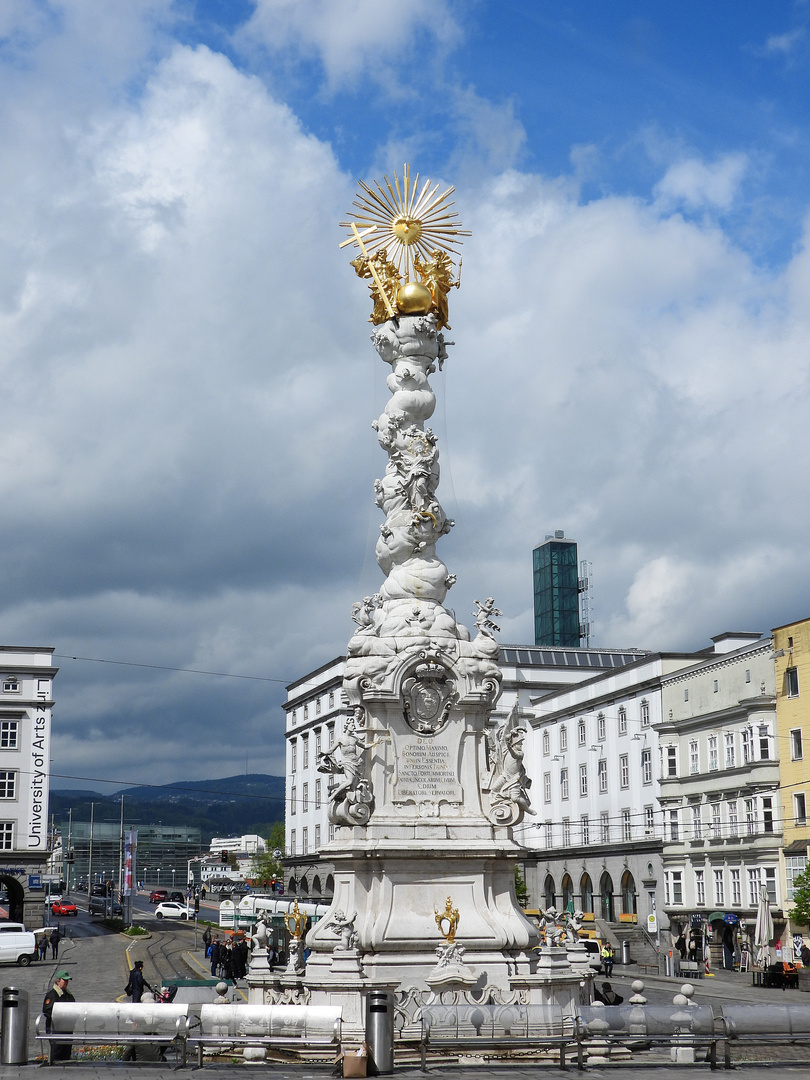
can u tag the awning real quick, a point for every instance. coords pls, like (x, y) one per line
(716, 916)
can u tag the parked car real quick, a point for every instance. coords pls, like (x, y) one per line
(98, 889)
(62, 907)
(54, 898)
(178, 897)
(17, 945)
(100, 905)
(593, 948)
(157, 896)
(171, 910)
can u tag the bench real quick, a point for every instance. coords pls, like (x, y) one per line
(114, 1023)
(759, 1025)
(641, 1026)
(288, 1027)
(649, 969)
(495, 1027)
(694, 969)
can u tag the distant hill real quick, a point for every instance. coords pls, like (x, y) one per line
(229, 806)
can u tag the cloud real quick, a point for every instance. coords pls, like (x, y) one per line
(786, 43)
(698, 184)
(352, 40)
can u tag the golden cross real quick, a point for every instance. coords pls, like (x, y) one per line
(357, 238)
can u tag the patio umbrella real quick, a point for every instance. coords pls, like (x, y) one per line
(763, 932)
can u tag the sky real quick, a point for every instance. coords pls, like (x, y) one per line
(186, 457)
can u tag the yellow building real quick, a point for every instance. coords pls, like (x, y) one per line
(792, 669)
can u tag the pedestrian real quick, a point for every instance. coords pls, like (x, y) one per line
(214, 956)
(805, 954)
(43, 945)
(680, 945)
(137, 983)
(56, 937)
(608, 957)
(608, 996)
(58, 992)
(207, 937)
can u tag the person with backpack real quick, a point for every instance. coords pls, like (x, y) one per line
(137, 982)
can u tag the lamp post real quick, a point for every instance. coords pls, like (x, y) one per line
(158, 874)
(173, 873)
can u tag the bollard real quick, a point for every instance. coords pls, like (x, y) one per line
(625, 951)
(14, 1038)
(380, 1032)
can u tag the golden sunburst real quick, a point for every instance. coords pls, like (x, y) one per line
(405, 221)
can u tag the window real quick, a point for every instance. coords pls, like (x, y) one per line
(736, 889)
(750, 817)
(7, 784)
(11, 685)
(546, 744)
(622, 721)
(694, 761)
(600, 726)
(767, 815)
(581, 732)
(715, 822)
(293, 795)
(753, 886)
(649, 821)
(646, 766)
(9, 734)
(794, 865)
(645, 714)
(306, 711)
(293, 716)
(748, 675)
(549, 834)
(790, 642)
(317, 837)
(700, 889)
(796, 744)
(585, 828)
(674, 832)
(672, 761)
(713, 766)
(292, 842)
(332, 832)
(697, 823)
(304, 841)
(716, 686)
(583, 779)
(317, 743)
(677, 887)
(799, 808)
(730, 760)
(317, 797)
(331, 699)
(627, 828)
(304, 799)
(305, 752)
(563, 738)
(719, 888)
(732, 817)
(6, 835)
(604, 827)
(764, 743)
(602, 772)
(770, 884)
(566, 832)
(547, 787)
(317, 706)
(686, 693)
(293, 756)
(624, 771)
(792, 682)
(747, 746)
(564, 783)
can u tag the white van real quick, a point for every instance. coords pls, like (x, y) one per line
(17, 945)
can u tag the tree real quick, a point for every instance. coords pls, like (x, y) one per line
(801, 898)
(521, 892)
(265, 867)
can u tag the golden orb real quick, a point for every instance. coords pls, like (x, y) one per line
(414, 298)
(407, 229)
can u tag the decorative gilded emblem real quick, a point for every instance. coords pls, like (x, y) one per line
(449, 918)
(296, 923)
(427, 697)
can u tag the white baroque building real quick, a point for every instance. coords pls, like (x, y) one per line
(26, 702)
(315, 714)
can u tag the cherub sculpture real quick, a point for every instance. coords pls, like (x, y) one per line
(483, 618)
(346, 931)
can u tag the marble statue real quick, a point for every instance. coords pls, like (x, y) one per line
(509, 784)
(347, 936)
(351, 801)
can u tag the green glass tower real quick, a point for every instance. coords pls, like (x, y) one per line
(556, 592)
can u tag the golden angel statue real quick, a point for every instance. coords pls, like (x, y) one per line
(437, 275)
(389, 278)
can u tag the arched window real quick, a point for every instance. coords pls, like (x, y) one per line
(628, 894)
(586, 893)
(606, 892)
(304, 887)
(567, 892)
(291, 887)
(549, 892)
(330, 885)
(316, 886)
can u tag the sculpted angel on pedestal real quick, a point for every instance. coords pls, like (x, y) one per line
(351, 802)
(509, 783)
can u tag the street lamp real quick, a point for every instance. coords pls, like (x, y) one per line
(158, 874)
(173, 873)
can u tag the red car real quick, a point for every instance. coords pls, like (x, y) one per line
(157, 896)
(62, 907)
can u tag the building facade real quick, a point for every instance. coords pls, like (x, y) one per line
(720, 791)
(556, 592)
(164, 853)
(792, 682)
(26, 704)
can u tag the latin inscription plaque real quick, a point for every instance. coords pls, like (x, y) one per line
(426, 772)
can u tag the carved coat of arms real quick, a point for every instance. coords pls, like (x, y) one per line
(427, 696)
